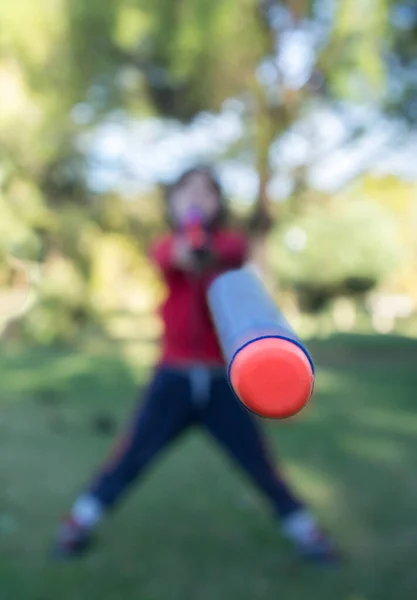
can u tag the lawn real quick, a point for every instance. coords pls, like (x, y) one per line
(196, 530)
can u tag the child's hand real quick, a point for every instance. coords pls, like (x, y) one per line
(183, 255)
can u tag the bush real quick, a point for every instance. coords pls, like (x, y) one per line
(343, 248)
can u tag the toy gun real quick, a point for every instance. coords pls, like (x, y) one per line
(195, 232)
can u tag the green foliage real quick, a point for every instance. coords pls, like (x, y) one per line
(360, 32)
(121, 278)
(175, 59)
(196, 54)
(342, 247)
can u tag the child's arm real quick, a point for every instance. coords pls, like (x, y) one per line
(172, 255)
(231, 250)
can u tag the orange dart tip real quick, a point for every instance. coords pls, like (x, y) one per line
(272, 377)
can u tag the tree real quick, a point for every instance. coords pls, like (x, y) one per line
(67, 66)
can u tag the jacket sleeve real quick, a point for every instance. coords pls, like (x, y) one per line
(231, 249)
(161, 255)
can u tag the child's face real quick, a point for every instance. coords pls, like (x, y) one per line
(196, 192)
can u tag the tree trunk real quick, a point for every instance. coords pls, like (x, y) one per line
(276, 110)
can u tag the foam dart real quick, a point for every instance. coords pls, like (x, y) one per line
(269, 369)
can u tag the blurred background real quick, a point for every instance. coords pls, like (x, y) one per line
(308, 111)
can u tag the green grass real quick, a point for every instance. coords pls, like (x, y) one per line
(196, 530)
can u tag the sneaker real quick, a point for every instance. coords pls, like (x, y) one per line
(309, 540)
(72, 540)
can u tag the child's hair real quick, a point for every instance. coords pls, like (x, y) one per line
(222, 215)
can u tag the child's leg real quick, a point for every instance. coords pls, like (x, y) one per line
(165, 413)
(237, 431)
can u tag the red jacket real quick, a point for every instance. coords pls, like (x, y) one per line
(189, 334)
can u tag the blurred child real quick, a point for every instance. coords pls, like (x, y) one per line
(189, 385)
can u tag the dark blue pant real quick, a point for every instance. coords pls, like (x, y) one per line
(168, 410)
